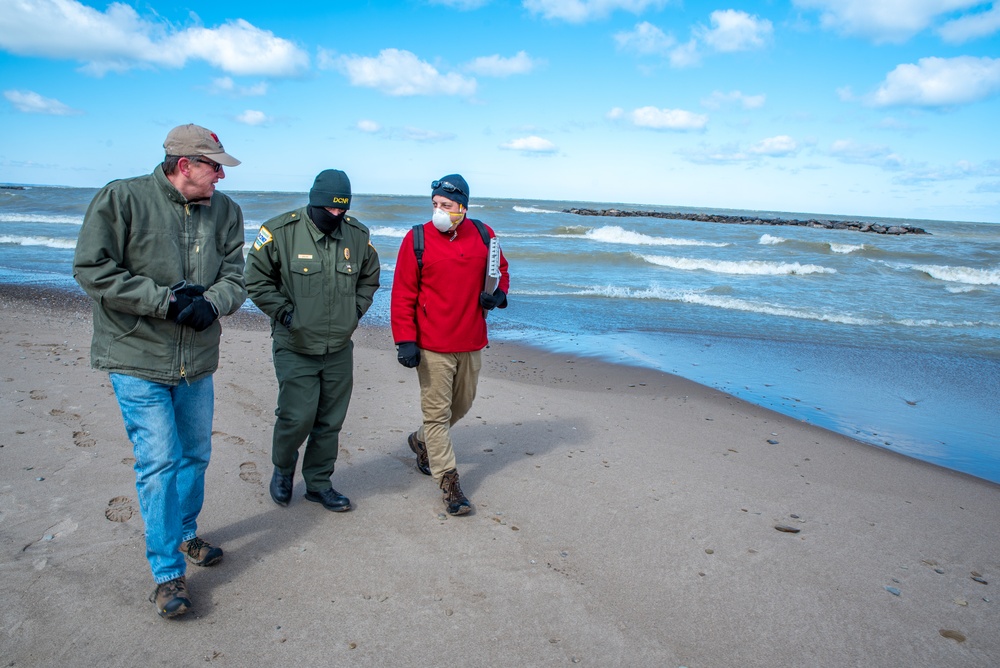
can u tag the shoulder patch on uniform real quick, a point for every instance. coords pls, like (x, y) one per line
(264, 237)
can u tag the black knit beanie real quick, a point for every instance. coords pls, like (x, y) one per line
(331, 189)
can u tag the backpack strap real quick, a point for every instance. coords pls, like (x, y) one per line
(418, 245)
(482, 231)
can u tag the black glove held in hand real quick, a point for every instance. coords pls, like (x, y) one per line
(490, 302)
(199, 316)
(286, 320)
(181, 297)
(408, 354)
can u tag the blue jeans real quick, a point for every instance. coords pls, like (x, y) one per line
(170, 427)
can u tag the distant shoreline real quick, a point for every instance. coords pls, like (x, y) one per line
(852, 225)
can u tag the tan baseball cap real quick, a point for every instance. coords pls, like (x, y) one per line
(193, 139)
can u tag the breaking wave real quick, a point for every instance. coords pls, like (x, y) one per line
(613, 234)
(533, 209)
(745, 267)
(968, 275)
(36, 218)
(50, 242)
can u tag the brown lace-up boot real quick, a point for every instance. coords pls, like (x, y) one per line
(171, 598)
(454, 499)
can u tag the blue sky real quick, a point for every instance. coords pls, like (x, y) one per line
(843, 107)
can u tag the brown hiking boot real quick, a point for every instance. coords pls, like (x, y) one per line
(420, 450)
(455, 501)
(200, 553)
(171, 598)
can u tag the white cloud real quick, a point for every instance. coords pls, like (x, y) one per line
(226, 85)
(119, 39)
(240, 48)
(531, 144)
(421, 135)
(253, 117)
(31, 102)
(497, 66)
(718, 99)
(847, 150)
(685, 55)
(654, 118)
(971, 27)
(400, 73)
(645, 39)
(579, 11)
(779, 146)
(407, 133)
(736, 31)
(883, 20)
(936, 82)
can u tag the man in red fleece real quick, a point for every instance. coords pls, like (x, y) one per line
(438, 316)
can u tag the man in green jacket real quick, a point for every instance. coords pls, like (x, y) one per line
(162, 257)
(314, 271)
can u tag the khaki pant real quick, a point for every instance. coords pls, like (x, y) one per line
(447, 390)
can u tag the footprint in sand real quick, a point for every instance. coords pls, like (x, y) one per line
(249, 472)
(81, 440)
(235, 440)
(37, 395)
(120, 509)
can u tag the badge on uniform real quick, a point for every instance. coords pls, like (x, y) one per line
(264, 237)
(347, 253)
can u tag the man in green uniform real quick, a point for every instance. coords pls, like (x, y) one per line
(314, 272)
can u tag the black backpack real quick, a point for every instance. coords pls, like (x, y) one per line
(418, 240)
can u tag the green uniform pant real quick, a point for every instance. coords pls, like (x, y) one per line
(447, 390)
(313, 394)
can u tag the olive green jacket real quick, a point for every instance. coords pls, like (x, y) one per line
(140, 237)
(325, 281)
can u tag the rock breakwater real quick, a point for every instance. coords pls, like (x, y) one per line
(852, 225)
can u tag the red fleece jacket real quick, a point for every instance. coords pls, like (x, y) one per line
(438, 306)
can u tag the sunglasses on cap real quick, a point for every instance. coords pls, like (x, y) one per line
(447, 187)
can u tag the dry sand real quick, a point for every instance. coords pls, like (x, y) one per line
(623, 518)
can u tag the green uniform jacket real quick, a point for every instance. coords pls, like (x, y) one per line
(139, 238)
(324, 280)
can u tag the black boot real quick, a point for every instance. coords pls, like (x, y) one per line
(454, 499)
(281, 488)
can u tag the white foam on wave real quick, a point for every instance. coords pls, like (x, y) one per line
(969, 275)
(723, 302)
(533, 209)
(745, 267)
(50, 242)
(36, 218)
(768, 240)
(846, 248)
(386, 231)
(613, 234)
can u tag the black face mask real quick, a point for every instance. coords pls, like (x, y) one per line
(325, 221)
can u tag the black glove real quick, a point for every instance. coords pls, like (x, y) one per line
(181, 296)
(286, 320)
(199, 316)
(490, 302)
(408, 354)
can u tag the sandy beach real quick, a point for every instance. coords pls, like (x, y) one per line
(624, 517)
